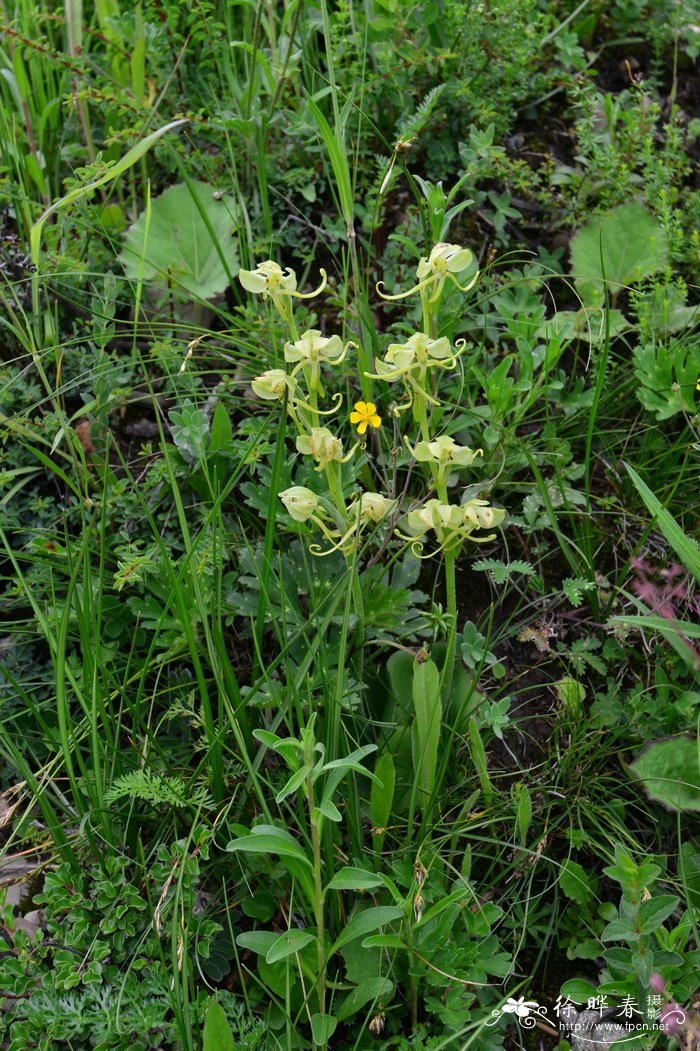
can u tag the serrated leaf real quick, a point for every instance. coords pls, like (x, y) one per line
(666, 375)
(186, 242)
(502, 571)
(618, 248)
(574, 588)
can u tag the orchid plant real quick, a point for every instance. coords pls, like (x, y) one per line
(416, 365)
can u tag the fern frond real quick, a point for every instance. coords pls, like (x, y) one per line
(414, 125)
(150, 787)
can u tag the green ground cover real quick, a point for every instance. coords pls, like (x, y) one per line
(349, 433)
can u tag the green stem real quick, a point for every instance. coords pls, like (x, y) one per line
(451, 590)
(334, 485)
(318, 901)
(451, 598)
(420, 410)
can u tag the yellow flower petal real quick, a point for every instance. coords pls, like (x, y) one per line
(375, 420)
(355, 417)
(362, 427)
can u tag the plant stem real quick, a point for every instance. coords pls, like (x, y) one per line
(318, 900)
(451, 595)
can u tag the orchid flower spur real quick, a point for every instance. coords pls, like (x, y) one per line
(365, 509)
(444, 261)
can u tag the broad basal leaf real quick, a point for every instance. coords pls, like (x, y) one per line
(670, 772)
(618, 249)
(185, 243)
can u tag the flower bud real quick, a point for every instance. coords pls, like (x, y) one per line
(672, 1018)
(657, 983)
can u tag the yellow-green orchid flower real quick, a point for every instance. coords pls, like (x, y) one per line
(372, 507)
(444, 451)
(311, 350)
(444, 261)
(418, 352)
(323, 446)
(365, 508)
(269, 279)
(451, 523)
(306, 506)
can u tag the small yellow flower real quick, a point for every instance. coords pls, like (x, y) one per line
(697, 385)
(364, 414)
